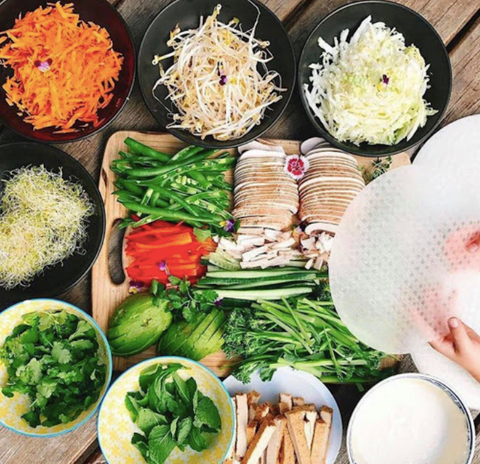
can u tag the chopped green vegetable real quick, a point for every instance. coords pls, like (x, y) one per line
(304, 334)
(53, 357)
(174, 414)
(261, 284)
(379, 166)
(183, 187)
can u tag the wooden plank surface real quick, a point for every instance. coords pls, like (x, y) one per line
(71, 448)
(301, 16)
(108, 293)
(465, 59)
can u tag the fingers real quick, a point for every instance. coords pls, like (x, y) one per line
(460, 335)
(474, 244)
(444, 346)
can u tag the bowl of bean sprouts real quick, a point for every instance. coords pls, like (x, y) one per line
(216, 74)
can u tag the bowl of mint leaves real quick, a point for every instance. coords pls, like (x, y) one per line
(55, 367)
(166, 410)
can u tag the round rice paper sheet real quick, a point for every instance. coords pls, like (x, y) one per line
(399, 267)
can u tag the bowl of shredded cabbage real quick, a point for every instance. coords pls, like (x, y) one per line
(216, 73)
(52, 221)
(375, 78)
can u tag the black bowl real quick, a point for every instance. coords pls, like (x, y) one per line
(59, 278)
(416, 30)
(187, 14)
(101, 12)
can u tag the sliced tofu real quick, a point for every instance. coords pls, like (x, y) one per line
(297, 401)
(287, 451)
(260, 442)
(296, 428)
(309, 426)
(253, 399)
(320, 442)
(326, 414)
(242, 423)
(273, 449)
(261, 412)
(287, 399)
(251, 431)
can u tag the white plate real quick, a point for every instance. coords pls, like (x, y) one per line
(297, 383)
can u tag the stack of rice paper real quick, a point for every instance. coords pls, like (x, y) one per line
(332, 181)
(265, 195)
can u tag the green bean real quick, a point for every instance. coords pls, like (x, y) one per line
(207, 195)
(130, 186)
(168, 215)
(155, 197)
(146, 197)
(185, 153)
(211, 165)
(184, 189)
(200, 178)
(140, 148)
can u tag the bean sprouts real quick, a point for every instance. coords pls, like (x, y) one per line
(219, 81)
(43, 221)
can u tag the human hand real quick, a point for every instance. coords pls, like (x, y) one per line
(461, 345)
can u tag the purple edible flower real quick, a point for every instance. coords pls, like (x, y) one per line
(385, 79)
(223, 79)
(43, 66)
(230, 225)
(162, 265)
(135, 286)
(218, 302)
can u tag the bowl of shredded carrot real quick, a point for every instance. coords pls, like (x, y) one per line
(66, 69)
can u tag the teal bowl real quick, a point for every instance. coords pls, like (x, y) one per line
(11, 409)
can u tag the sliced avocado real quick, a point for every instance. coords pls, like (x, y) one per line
(214, 343)
(199, 338)
(199, 326)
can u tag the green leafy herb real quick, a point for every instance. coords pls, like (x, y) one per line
(53, 357)
(304, 334)
(379, 166)
(171, 412)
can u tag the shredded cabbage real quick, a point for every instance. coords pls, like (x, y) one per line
(370, 88)
(219, 80)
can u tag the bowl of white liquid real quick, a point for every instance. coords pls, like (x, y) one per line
(411, 419)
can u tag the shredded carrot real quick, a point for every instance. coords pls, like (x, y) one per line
(64, 69)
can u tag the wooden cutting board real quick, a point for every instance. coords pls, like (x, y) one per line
(106, 294)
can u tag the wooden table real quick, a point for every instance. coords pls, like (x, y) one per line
(458, 22)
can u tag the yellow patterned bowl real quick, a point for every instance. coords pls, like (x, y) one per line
(115, 427)
(11, 409)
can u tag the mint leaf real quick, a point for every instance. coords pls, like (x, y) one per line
(183, 430)
(206, 414)
(140, 442)
(160, 444)
(196, 440)
(148, 419)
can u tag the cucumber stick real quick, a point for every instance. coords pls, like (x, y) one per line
(256, 282)
(273, 294)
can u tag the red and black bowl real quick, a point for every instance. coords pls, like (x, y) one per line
(100, 12)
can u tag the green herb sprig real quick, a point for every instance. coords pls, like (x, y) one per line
(171, 412)
(53, 357)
